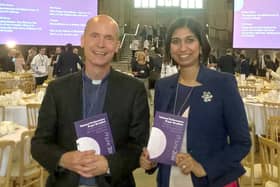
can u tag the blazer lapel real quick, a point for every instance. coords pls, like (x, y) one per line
(78, 103)
(111, 88)
(170, 94)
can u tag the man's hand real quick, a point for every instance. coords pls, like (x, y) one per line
(98, 165)
(86, 164)
(144, 160)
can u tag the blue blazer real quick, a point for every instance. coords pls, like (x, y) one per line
(211, 121)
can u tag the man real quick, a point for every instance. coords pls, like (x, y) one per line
(76, 51)
(67, 62)
(40, 66)
(155, 66)
(7, 62)
(261, 64)
(32, 52)
(55, 58)
(96, 89)
(227, 63)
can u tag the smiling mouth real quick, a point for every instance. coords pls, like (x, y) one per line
(99, 53)
(184, 56)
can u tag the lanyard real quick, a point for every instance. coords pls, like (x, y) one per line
(185, 100)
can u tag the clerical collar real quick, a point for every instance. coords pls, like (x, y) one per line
(94, 82)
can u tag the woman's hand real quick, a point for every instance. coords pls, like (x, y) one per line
(144, 160)
(187, 165)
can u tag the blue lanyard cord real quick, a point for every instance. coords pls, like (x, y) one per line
(184, 102)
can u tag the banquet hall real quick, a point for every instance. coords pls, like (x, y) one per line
(245, 42)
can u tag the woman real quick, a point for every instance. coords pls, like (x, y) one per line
(141, 70)
(19, 62)
(217, 136)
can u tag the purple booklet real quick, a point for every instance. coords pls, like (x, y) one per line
(166, 137)
(94, 133)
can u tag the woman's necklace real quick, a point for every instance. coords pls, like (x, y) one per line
(185, 100)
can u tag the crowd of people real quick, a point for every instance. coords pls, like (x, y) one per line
(56, 63)
(261, 64)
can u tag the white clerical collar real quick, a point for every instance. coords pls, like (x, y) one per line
(96, 82)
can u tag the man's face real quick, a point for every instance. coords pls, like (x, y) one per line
(76, 51)
(43, 51)
(100, 41)
(58, 50)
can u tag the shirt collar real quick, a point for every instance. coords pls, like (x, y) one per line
(86, 79)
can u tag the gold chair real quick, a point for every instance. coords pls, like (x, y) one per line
(28, 87)
(270, 158)
(253, 173)
(247, 90)
(6, 157)
(2, 113)
(26, 172)
(273, 128)
(266, 90)
(6, 91)
(32, 110)
(270, 109)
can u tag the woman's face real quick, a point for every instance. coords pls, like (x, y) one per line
(141, 57)
(184, 47)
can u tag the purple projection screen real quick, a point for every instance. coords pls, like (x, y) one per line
(256, 24)
(47, 22)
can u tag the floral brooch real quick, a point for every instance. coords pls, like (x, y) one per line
(207, 96)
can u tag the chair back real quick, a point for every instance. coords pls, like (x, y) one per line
(32, 110)
(30, 172)
(247, 90)
(273, 128)
(270, 159)
(270, 109)
(6, 158)
(249, 160)
(2, 113)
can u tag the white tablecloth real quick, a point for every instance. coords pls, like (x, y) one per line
(14, 136)
(16, 114)
(255, 114)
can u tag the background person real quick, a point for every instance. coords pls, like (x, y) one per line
(67, 62)
(227, 62)
(39, 66)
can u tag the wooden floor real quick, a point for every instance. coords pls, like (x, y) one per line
(144, 180)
